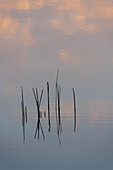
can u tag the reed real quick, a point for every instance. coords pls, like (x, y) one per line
(42, 131)
(38, 103)
(38, 100)
(59, 140)
(23, 114)
(41, 97)
(44, 114)
(38, 112)
(59, 112)
(59, 124)
(57, 105)
(74, 102)
(26, 113)
(49, 123)
(56, 96)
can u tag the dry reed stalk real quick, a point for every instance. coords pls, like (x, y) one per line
(49, 123)
(74, 101)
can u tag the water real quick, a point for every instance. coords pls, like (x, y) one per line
(37, 38)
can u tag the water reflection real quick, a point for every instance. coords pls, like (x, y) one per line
(84, 16)
(91, 113)
(19, 32)
(24, 35)
(58, 112)
(100, 112)
(37, 37)
(67, 16)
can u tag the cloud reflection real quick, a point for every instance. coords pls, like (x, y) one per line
(17, 32)
(68, 16)
(67, 58)
(100, 111)
(29, 22)
(89, 16)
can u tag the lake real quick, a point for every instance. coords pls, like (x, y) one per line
(38, 38)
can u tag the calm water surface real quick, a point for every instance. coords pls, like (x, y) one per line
(37, 38)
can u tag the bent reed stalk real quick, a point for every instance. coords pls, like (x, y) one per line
(38, 103)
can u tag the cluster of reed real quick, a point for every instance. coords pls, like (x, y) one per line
(39, 113)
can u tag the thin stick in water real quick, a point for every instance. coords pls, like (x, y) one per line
(38, 102)
(23, 114)
(56, 96)
(59, 140)
(40, 97)
(74, 108)
(44, 114)
(42, 131)
(26, 113)
(59, 116)
(48, 107)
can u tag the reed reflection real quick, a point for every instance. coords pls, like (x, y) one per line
(24, 114)
(41, 114)
(74, 109)
(48, 107)
(57, 106)
(38, 103)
